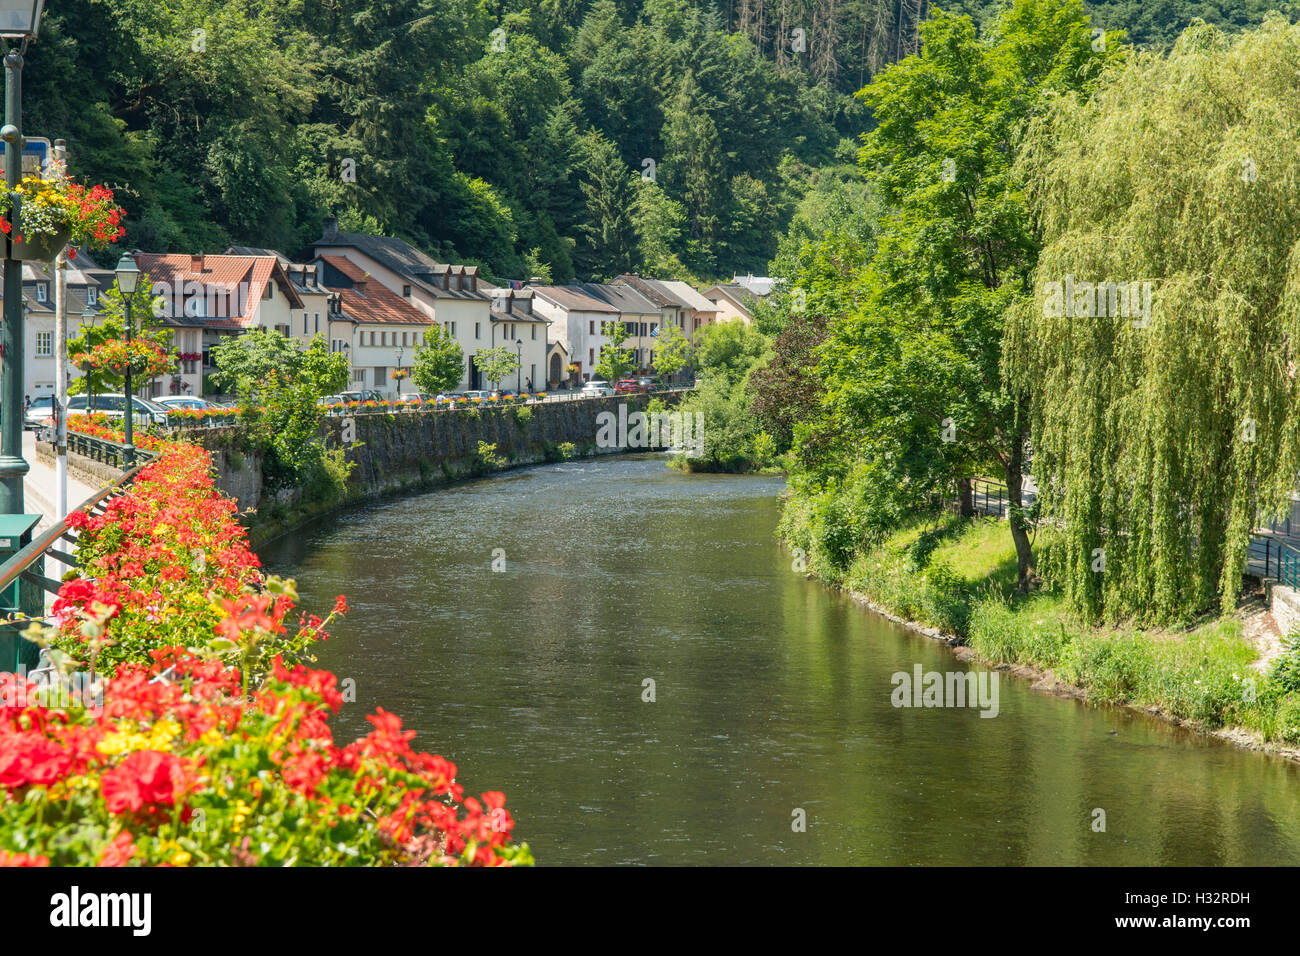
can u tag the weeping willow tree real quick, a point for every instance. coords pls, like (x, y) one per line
(1161, 435)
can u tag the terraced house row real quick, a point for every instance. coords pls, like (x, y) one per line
(374, 298)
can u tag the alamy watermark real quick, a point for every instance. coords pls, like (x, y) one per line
(1127, 300)
(45, 687)
(673, 431)
(952, 689)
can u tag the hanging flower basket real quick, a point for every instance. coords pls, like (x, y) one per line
(54, 212)
(144, 358)
(39, 246)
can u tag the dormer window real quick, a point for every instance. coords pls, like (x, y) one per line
(406, 291)
(42, 291)
(92, 295)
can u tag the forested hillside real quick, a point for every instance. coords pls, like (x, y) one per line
(562, 138)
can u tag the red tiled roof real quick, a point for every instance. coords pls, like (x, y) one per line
(243, 277)
(368, 301)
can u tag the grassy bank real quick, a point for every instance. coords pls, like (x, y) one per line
(959, 576)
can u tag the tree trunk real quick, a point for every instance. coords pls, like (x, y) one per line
(966, 496)
(1019, 532)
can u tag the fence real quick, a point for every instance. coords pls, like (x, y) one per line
(987, 498)
(23, 581)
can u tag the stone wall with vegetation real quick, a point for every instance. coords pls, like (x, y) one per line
(375, 454)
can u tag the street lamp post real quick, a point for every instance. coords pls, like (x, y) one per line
(20, 20)
(519, 369)
(399, 374)
(128, 274)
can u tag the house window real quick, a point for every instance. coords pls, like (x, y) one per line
(268, 292)
(42, 291)
(591, 356)
(317, 321)
(453, 330)
(477, 330)
(653, 326)
(92, 295)
(44, 343)
(381, 376)
(304, 323)
(359, 376)
(406, 291)
(207, 356)
(534, 333)
(591, 327)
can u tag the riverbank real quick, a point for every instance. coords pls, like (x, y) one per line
(954, 581)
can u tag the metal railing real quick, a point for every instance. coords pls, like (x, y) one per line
(103, 450)
(987, 498)
(1281, 561)
(23, 581)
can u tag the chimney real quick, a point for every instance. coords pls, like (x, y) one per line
(196, 263)
(330, 227)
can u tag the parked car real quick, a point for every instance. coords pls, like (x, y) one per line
(145, 412)
(327, 400)
(363, 395)
(478, 393)
(628, 386)
(597, 388)
(447, 398)
(40, 412)
(416, 398)
(646, 381)
(183, 401)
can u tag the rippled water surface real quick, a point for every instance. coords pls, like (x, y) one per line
(772, 693)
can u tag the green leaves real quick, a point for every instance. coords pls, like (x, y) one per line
(1162, 439)
(438, 362)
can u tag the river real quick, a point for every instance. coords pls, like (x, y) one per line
(771, 693)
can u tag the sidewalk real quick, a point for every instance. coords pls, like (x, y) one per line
(40, 490)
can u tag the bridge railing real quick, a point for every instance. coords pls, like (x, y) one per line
(23, 580)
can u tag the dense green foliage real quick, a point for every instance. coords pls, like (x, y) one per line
(279, 385)
(914, 400)
(497, 364)
(1164, 430)
(566, 136)
(726, 356)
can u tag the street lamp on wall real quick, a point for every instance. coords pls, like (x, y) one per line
(128, 275)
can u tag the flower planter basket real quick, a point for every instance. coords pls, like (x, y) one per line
(40, 247)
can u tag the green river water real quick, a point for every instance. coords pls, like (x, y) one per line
(772, 693)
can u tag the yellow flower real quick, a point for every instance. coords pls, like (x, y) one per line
(181, 859)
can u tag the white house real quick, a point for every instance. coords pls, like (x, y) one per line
(205, 298)
(578, 323)
(639, 315)
(517, 326)
(384, 328)
(449, 295)
(85, 285)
